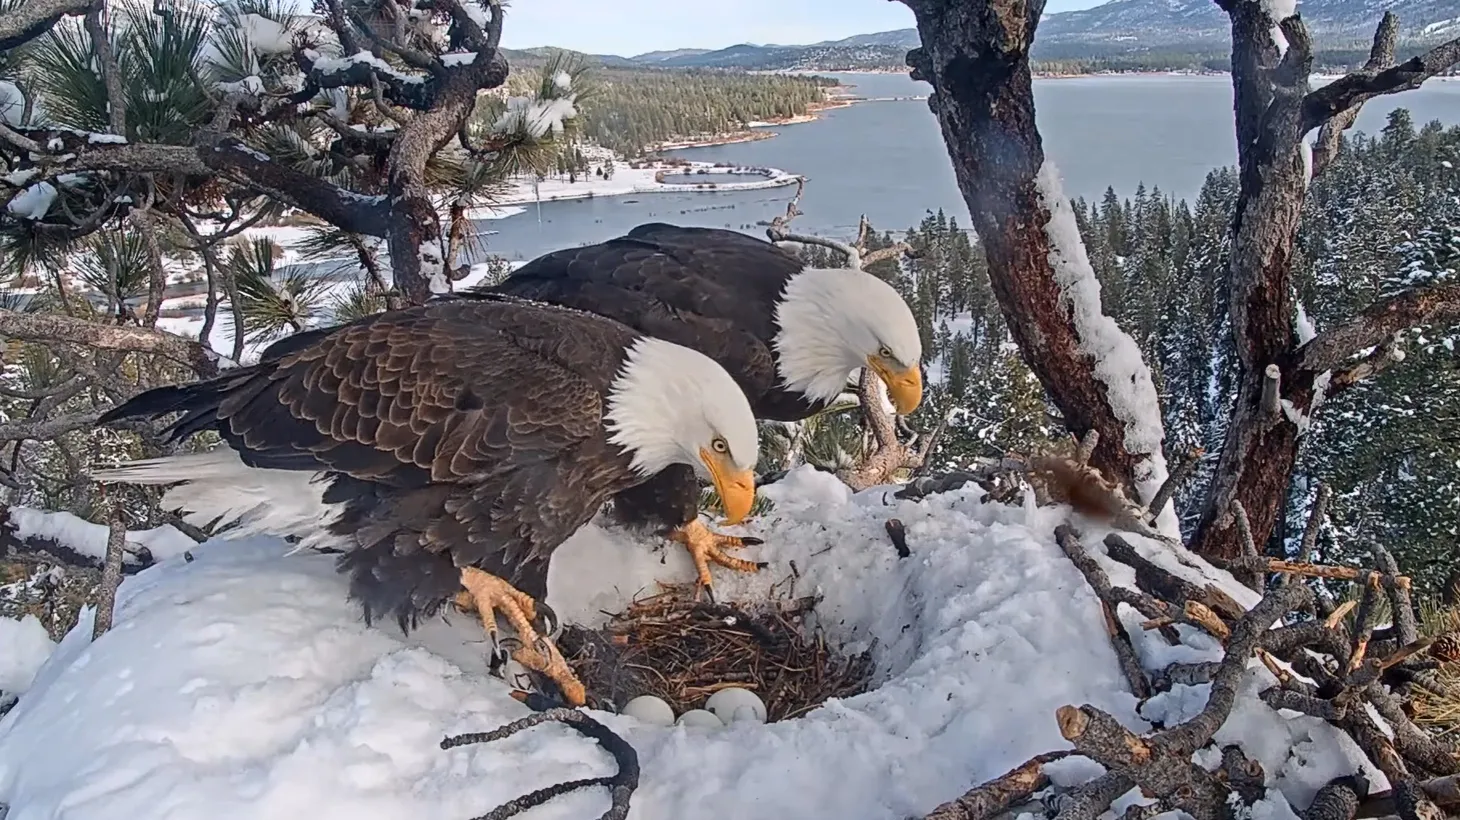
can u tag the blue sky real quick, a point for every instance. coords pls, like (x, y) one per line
(629, 27)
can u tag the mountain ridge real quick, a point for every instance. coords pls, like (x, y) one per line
(1119, 28)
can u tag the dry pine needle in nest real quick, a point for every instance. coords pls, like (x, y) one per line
(683, 651)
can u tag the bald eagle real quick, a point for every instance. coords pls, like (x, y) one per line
(446, 450)
(789, 335)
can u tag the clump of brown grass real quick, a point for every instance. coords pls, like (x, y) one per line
(683, 651)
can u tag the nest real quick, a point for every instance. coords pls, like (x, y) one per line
(683, 651)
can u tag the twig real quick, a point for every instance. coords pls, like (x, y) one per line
(620, 785)
(111, 574)
(1314, 526)
(1161, 764)
(1120, 640)
(1087, 446)
(1090, 800)
(1272, 390)
(1184, 469)
(1339, 800)
(1001, 793)
(898, 533)
(1250, 578)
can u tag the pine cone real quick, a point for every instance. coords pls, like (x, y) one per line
(1446, 648)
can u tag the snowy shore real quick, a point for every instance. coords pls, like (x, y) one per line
(641, 177)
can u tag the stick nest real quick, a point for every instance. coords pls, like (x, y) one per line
(683, 651)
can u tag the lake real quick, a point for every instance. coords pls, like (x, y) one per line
(887, 159)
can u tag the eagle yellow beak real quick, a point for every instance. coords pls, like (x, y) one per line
(904, 388)
(735, 486)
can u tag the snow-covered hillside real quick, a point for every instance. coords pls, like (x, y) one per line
(241, 684)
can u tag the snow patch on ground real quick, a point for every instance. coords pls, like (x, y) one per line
(644, 180)
(24, 648)
(981, 634)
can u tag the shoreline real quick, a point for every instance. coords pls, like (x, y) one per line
(635, 178)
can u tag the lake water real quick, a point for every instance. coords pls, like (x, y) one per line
(887, 159)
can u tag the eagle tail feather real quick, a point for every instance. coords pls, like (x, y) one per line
(217, 488)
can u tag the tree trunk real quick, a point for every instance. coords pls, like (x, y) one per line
(1257, 458)
(976, 56)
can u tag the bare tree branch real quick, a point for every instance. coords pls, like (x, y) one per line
(111, 73)
(34, 18)
(1359, 87)
(1381, 56)
(1380, 321)
(46, 328)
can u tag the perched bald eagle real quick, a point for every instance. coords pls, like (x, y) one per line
(448, 449)
(789, 335)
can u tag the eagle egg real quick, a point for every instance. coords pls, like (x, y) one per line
(650, 709)
(699, 717)
(734, 704)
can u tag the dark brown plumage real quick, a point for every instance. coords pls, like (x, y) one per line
(456, 434)
(708, 289)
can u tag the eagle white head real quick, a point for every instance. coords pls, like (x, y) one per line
(673, 405)
(835, 321)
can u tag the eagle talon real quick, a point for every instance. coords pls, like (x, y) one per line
(707, 547)
(490, 595)
(547, 622)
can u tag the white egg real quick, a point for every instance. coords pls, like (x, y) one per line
(650, 710)
(735, 704)
(699, 717)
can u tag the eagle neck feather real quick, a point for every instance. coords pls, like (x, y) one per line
(812, 352)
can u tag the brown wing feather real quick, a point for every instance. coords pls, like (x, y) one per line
(462, 429)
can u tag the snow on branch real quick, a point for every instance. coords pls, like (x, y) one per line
(1115, 359)
(75, 540)
(1319, 668)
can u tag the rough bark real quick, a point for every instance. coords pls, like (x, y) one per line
(1274, 110)
(34, 18)
(53, 328)
(976, 57)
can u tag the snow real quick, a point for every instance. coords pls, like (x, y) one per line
(1303, 326)
(628, 180)
(1280, 10)
(476, 12)
(1117, 359)
(34, 202)
(24, 649)
(563, 81)
(981, 635)
(12, 104)
(251, 84)
(535, 117)
(89, 539)
(266, 36)
(1307, 149)
(106, 139)
(459, 58)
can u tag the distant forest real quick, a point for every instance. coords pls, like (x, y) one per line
(1385, 216)
(631, 110)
